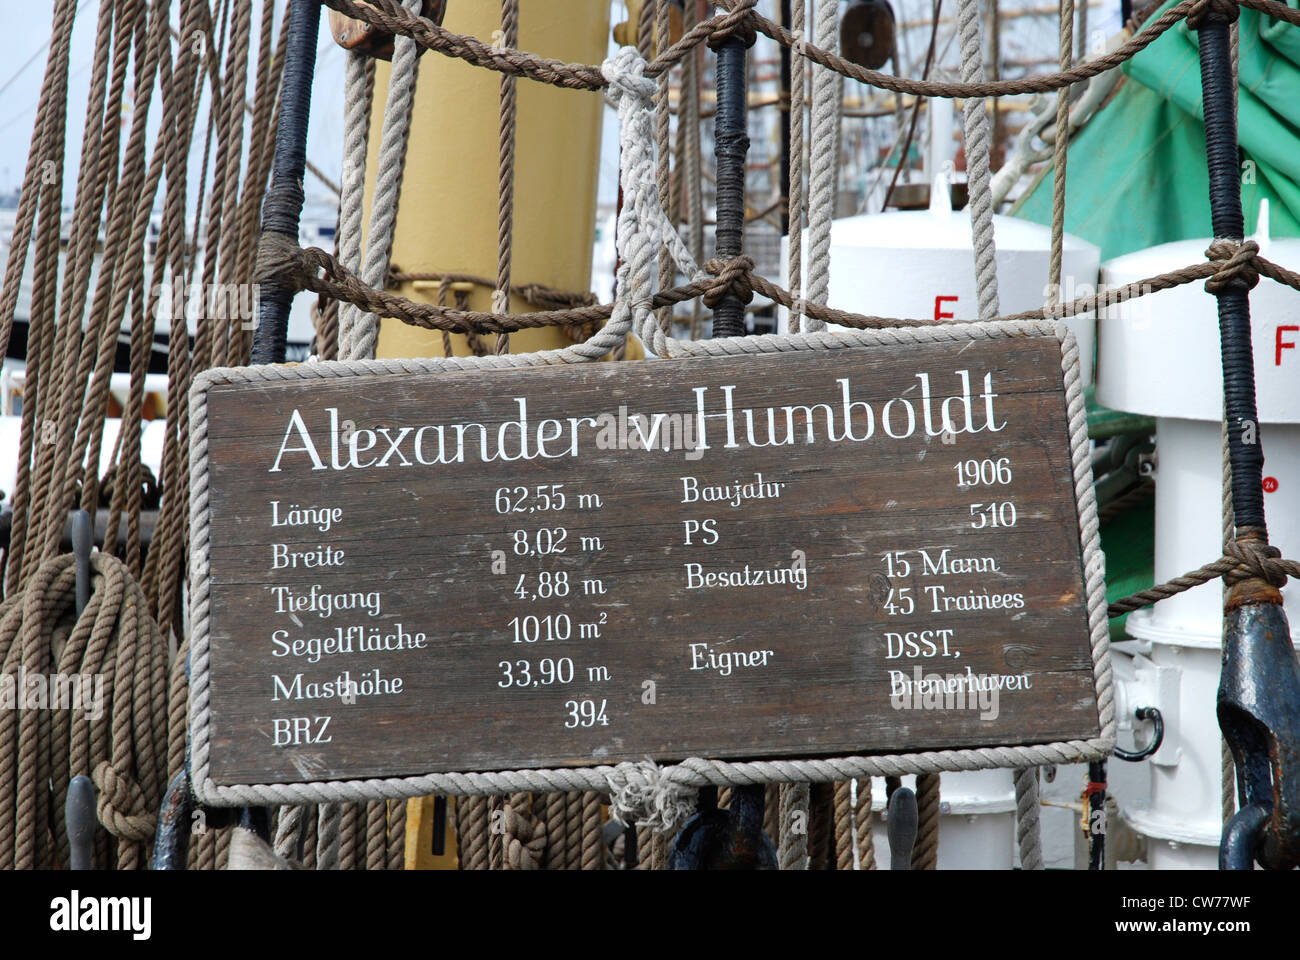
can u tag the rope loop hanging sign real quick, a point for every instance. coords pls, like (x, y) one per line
(800, 558)
(411, 575)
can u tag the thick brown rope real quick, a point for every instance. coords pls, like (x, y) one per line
(525, 834)
(863, 826)
(843, 825)
(116, 650)
(397, 834)
(472, 832)
(925, 855)
(742, 20)
(496, 833)
(573, 831)
(593, 842)
(313, 269)
(555, 831)
(1245, 559)
(1224, 9)
(506, 171)
(377, 835)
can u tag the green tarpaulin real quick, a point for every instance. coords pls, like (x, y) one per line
(1136, 171)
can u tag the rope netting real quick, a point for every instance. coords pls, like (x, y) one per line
(1232, 263)
(189, 54)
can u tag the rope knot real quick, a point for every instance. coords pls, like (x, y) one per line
(1256, 559)
(735, 277)
(281, 260)
(625, 73)
(640, 794)
(1205, 11)
(1236, 261)
(121, 805)
(549, 298)
(739, 23)
(525, 835)
(275, 258)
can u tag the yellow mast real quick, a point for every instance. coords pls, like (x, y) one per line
(448, 221)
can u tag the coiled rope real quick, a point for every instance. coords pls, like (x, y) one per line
(91, 697)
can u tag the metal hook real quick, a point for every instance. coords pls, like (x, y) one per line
(1240, 843)
(1145, 713)
(1259, 713)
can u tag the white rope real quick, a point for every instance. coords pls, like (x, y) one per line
(643, 227)
(328, 837)
(358, 89)
(1028, 829)
(978, 145)
(792, 852)
(827, 85)
(798, 165)
(288, 832)
(360, 332)
(978, 153)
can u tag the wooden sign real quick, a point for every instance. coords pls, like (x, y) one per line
(863, 550)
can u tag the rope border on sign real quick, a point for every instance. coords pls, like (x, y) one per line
(644, 791)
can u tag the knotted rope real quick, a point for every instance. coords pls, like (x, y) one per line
(640, 795)
(735, 277)
(525, 834)
(121, 805)
(1226, 10)
(741, 17)
(311, 268)
(1236, 260)
(1244, 558)
(738, 22)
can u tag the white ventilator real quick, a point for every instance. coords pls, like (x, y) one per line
(1159, 356)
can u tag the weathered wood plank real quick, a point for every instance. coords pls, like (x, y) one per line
(658, 645)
